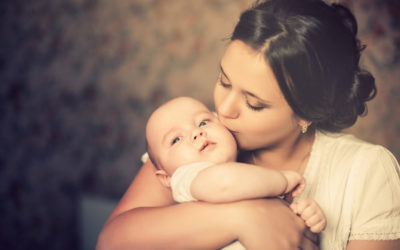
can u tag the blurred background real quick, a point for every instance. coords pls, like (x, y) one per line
(78, 79)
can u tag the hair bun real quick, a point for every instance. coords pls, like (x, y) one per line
(364, 89)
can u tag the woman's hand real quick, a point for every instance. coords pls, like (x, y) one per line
(270, 224)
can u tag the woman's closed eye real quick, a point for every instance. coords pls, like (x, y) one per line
(223, 83)
(255, 107)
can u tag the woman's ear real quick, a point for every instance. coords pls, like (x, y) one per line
(164, 178)
(304, 125)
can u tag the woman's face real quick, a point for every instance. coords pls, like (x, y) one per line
(249, 101)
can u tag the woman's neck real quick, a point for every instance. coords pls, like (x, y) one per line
(291, 154)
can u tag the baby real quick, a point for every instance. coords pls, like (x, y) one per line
(195, 156)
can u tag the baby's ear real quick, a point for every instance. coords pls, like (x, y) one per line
(164, 178)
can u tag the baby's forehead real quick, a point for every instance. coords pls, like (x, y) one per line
(178, 111)
(185, 102)
(184, 106)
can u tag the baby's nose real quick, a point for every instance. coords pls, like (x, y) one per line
(198, 133)
(196, 136)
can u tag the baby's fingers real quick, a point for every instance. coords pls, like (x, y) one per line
(300, 206)
(311, 213)
(308, 212)
(299, 188)
(319, 227)
(316, 222)
(294, 207)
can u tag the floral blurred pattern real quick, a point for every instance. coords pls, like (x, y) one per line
(80, 77)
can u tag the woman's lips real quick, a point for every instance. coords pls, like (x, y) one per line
(233, 132)
(227, 126)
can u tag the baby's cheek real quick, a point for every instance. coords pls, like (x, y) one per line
(186, 156)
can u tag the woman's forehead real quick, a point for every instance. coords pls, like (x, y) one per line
(247, 69)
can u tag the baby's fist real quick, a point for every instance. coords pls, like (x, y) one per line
(311, 213)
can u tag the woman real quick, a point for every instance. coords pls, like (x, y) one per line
(290, 82)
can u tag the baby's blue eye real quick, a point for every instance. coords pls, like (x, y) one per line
(203, 123)
(175, 140)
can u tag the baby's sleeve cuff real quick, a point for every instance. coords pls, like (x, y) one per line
(182, 179)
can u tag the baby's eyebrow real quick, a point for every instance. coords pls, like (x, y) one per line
(204, 112)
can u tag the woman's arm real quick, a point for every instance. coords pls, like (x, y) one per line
(146, 218)
(234, 181)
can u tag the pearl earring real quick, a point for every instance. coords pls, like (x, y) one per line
(304, 129)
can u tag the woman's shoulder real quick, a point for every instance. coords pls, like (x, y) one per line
(343, 143)
(344, 163)
(340, 150)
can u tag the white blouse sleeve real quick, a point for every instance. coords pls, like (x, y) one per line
(375, 188)
(144, 157)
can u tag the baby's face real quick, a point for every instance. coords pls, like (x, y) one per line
(185, 131)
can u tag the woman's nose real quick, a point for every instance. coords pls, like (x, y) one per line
(228, 108)
(197, 133)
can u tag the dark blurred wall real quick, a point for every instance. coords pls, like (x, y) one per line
(78, 79)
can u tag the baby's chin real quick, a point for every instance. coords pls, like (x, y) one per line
(227, 158)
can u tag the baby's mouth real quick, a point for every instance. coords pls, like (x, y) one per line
(205, 145)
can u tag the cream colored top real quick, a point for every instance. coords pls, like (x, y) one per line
(357, 185)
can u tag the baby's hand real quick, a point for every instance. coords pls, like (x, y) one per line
(296, 182)
(311, 213)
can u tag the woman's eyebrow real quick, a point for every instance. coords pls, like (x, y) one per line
(223, 72)
(265, 102)
(253, 95)
(245, 91)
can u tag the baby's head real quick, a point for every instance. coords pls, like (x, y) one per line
(184, 131)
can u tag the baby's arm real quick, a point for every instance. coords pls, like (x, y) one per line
(234, 181)
(311, 213)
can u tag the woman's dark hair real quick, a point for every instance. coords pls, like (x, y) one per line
(314, 53)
